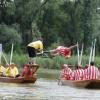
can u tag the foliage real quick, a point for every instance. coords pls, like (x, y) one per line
(55, 63)
(56, 21)
(9, 35)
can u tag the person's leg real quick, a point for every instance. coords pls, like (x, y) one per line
(34, 68)
(32, 55)
(33, 60)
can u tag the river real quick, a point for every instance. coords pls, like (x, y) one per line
(45, 89)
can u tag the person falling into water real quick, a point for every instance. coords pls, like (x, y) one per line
(33, 48)
(63, 51)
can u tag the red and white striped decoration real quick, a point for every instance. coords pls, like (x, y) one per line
(86, 76)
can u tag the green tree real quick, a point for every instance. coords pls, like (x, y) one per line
(71, 27)
(50, 22)
(7, 12)
(9, 35)
(87, 25)
(26, 14)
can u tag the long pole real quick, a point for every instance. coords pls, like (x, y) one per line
(5, 58)
(91, 54)
(94, 50)
(81, 55)
(11, 53)
(78, 52)
(0, 52)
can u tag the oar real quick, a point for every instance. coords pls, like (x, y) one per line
(81, 55)
(59, 79)
(78, 52)
(11, 53)
(0, 52)
(5, 59)
(94, 50)
(45, 54)
(91, 54)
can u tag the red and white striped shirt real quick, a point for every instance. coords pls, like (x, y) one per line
(66, 52)
(67, 73)
(93, 72)
(86, 76)
(78, 74)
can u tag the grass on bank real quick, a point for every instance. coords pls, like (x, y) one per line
(49, 63)
(49, 67)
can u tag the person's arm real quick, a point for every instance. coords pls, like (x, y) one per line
(16, 70)
(71, 47)
(40, 49)
(7, 71)
(40, 52)
(54, 52)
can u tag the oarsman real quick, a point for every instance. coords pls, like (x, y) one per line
(33, 48)
(66, 73)
(2, 70)
(61, 50)
(86, 76)
(12, 71)
(79, 73)
(93, 71)
(27, 71)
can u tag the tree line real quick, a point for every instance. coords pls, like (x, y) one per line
(55, 21)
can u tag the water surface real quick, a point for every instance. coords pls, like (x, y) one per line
(45, 89)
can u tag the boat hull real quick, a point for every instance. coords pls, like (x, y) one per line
(18, 80)
(92, 84)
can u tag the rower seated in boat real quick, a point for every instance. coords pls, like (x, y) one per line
(79, 73)
(27, 71)
(86, 76)
(93, 71)
(2, 70)
(12, 71)
(66, 73)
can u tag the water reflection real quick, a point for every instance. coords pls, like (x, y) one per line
(45, 89)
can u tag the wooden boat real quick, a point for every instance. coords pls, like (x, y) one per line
(91, 84)
(18, 80)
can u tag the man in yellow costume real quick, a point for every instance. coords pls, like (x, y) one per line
(2, 70)
(33, 49)
(12, 71)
